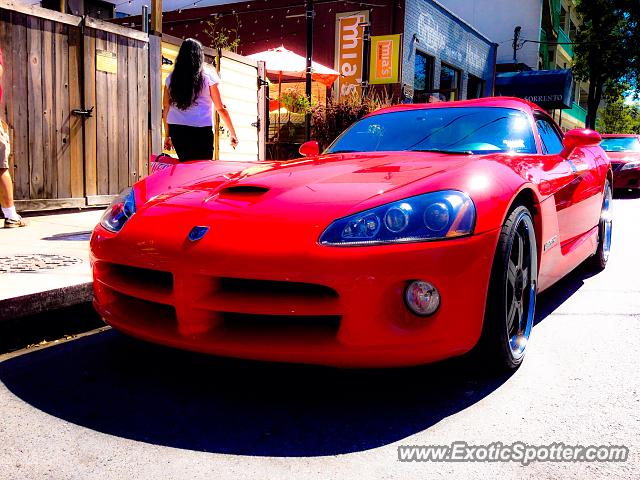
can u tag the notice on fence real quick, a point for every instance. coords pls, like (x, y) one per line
(106, 61)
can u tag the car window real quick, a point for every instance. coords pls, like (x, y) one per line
(549, 136)
(620, 144)
(446, 129)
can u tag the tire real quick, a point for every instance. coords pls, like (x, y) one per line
(511, 298)
(599, 260)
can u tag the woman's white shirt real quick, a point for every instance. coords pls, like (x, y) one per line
(200, 113)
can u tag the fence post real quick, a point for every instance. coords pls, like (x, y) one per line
(155, 94)
(216, 120)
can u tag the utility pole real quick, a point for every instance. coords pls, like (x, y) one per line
(366, 57)
(309, 15)
(516, 37)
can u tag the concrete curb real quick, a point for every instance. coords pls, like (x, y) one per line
(38, 302)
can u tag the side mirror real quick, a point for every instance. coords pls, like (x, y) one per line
(577, 138)
(309, 149)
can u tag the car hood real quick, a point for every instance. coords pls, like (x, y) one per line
(329, 186)
(287, 205)
(623, 157)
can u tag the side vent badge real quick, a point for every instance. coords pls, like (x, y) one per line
(197, 233)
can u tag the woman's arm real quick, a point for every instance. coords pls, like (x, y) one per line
(224, 113)
(166, 104)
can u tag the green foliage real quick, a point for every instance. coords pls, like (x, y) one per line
(295, 101)
(222, 37)
(618, 116)
(607, 50)
(330, 121)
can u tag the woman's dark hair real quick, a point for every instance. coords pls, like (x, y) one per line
(187, 79)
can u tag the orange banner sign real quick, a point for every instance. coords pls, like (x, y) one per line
(385, 59)
(349, 56)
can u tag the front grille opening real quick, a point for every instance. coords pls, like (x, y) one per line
(142, 277)
(238, 322)
(272, 287)
(140, 311)
(244, 189)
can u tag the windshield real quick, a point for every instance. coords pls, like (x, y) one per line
(449, 130)
(621, 144)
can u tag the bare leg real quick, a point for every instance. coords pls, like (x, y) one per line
(6, 189)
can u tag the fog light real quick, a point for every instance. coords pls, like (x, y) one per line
(422, 298)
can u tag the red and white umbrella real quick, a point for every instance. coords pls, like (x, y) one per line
(289, 64)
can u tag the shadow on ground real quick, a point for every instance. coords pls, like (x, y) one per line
(71, 237)
(116, 385)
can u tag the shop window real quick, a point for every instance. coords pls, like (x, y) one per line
(475, 87)
(450, 82)
(423, 77)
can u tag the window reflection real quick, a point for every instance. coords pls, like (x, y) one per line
(461, 129)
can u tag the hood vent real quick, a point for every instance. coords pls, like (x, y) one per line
(244, 190)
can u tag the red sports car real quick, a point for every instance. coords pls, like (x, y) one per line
(422, 232)
(624, 152)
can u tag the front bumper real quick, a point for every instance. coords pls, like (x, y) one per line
(625, 178)
(323, 305)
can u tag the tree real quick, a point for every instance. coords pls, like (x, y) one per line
(222, 37)
(619, 117)
(607, 48)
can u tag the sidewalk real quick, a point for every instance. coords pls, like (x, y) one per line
(46, 264)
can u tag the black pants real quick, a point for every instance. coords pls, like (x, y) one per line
(192, 143)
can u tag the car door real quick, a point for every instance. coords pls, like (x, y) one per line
(588, 193)
(565, 183)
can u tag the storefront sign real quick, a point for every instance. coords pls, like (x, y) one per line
(385, 59)
(550, 89)
(349, 34)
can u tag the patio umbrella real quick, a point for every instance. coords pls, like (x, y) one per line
(287, 63)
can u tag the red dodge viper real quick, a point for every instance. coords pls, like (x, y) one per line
(423, 232)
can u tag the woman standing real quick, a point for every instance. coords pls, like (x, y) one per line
(189, 94)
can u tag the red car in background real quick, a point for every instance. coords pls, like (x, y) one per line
(624, 152)
(421, 233)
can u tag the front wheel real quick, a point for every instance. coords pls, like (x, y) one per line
(598, 262)
(511, 298)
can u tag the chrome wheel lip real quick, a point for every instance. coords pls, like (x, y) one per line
(517, 340)
(607, 223)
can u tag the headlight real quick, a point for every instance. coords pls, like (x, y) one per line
(119, 212)
(630, 165)
(432, 216)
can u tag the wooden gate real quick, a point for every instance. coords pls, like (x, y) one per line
(116, 146)
(243, 91)
(75, 98)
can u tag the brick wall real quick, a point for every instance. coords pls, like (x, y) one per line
(448, 39)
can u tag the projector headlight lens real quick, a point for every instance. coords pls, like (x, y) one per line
(432, 216)
(119, 212)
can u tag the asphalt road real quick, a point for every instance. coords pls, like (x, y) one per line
(105, 406)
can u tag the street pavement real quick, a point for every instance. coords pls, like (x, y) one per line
(106, 406)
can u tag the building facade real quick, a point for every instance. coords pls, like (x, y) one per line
(547, 29)
(498, 18)
(442, 56)
(558, 29)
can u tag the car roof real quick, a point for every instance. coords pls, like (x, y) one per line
(504, 102)
(620, 135)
